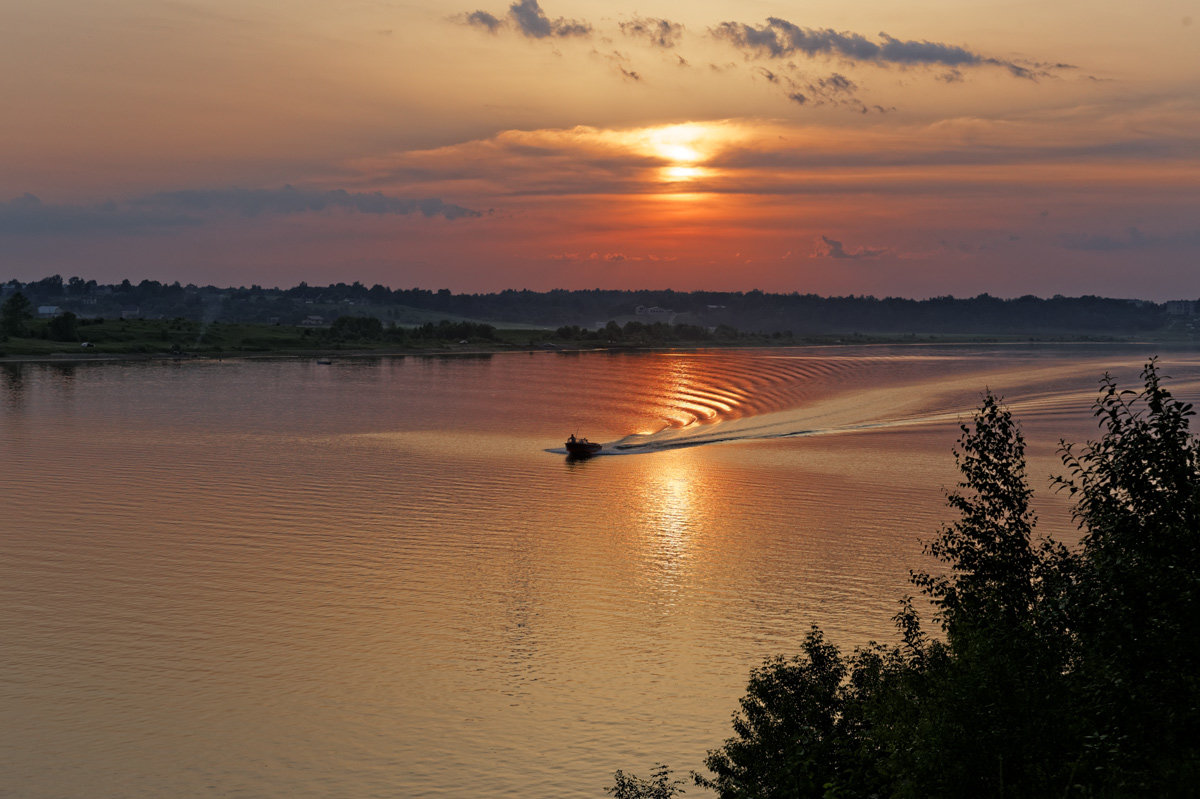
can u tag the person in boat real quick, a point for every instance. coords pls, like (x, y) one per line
(581, 447)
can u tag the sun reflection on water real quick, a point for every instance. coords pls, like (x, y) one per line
(672, 512)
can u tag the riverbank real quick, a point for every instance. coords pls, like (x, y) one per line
(356, 337)
(476, 349)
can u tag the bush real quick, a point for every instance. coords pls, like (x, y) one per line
(357, 327)
(658, 786)
(64, 327)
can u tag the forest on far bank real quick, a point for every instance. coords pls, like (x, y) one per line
(750, 311)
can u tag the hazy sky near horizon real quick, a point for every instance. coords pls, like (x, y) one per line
(929, 148)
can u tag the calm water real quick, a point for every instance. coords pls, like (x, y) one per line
(381, 578)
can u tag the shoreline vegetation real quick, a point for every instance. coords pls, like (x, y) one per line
(56, 319)
(356, 337)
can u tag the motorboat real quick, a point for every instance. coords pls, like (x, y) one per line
(581, 447)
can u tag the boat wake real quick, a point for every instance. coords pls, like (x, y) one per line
(771, 426)
(801, 397)
(794, 423)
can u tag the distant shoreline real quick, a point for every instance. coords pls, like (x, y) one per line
(476, 349)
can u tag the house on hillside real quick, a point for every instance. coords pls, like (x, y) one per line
(48, 311)
(654, 313)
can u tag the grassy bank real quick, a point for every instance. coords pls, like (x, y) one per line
(178, 338)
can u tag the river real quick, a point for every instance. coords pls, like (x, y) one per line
(381, 577)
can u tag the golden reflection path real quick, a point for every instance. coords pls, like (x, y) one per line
(669, 509)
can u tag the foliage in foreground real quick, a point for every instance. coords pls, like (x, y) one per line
(658, 786)
(1061, 673)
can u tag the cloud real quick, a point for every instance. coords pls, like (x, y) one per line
(609, 257)
(533, 22)
(1094, 137)
(831, 248)
(837, 84)
(528, 19)
(1033, 156)
(659, 32)
(621, 62)
(924, 52)
(1134, 239)
(836, 90)
(290, 200)
(778, 38)
(483, 19)
(28, 215)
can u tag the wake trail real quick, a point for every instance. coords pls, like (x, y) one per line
(725, 401)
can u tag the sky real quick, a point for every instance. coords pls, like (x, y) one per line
(922, 149)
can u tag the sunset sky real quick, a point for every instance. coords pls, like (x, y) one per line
(919, 149)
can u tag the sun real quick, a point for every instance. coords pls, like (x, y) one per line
(673, 156)
(675, 174)
(680, 153)
(684, 147)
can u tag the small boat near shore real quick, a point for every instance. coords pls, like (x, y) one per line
(581, 447)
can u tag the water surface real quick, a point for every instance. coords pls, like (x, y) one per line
(382, 578)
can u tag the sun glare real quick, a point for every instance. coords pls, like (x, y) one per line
(682, 146)
(679, 173)
(680, 153)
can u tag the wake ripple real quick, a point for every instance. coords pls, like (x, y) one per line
(705, 398)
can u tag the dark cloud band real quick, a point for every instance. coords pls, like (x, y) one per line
(832, 248)
(28, 215)
(290, 200)
(779, 38)
(1134, 239)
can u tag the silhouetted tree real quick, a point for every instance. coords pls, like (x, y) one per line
(788, 737)
(1135, 601)
(16, 311)
(357, 327)
(64, 327)
(1003, 680)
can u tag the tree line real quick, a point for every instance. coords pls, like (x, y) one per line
(1055, 672)
(752, 311)
(368, 328)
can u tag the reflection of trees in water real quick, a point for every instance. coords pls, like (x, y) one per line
(66, 371)
(12, 376)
